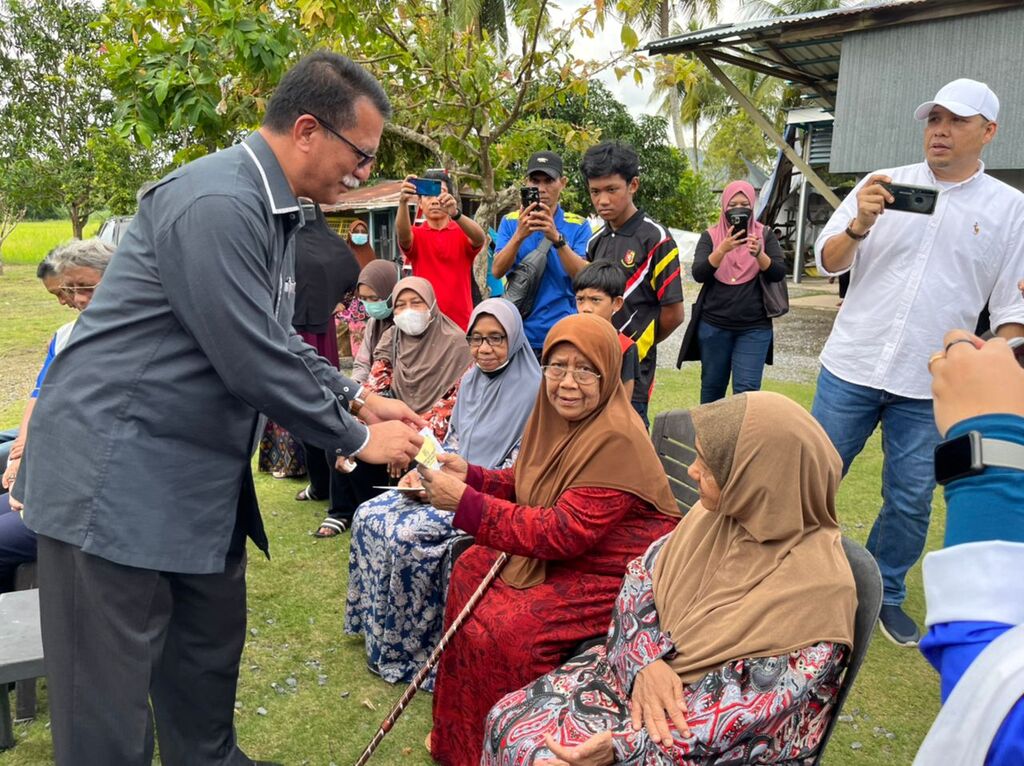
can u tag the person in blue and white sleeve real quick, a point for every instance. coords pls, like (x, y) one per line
(975, 585)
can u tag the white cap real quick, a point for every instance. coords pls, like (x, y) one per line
(965, 98)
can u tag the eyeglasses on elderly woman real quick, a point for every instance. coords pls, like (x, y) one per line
(492, 340)
(581, 375)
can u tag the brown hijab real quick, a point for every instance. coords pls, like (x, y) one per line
(764, 574)
(424, 366)
(557, 455)
(363, 253)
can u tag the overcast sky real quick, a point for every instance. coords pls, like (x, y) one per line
(637, 99)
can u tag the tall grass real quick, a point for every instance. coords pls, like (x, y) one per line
(31, 240)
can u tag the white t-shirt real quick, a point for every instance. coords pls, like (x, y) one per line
(915, 277)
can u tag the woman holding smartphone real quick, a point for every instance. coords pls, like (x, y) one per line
(729, 330)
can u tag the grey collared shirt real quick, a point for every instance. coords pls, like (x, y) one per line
(146, 422)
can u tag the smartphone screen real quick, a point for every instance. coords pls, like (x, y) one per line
(427, 187)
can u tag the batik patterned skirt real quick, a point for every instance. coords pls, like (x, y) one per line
(395, 583)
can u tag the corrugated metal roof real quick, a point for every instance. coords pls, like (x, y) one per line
(747, 29)
(383, 194)
(805, 49)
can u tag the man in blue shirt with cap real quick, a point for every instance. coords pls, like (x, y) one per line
(546, 225)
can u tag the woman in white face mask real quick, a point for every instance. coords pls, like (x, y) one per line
(419, 360)
(399, 550)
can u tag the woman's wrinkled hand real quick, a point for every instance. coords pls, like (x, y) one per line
(657, 699)
(444, 491)
(454, 466)
(412, 480)
(596, 751)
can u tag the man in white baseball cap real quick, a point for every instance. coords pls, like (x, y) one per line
(963, 97)
(914, 277)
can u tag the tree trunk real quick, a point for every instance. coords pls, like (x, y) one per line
(77, 224)
(664, 20)
(675, 106)
(696, 159)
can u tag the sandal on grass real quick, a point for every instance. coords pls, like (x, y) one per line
(330, 528)
(306, 494)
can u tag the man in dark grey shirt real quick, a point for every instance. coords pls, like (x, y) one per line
(137, 473)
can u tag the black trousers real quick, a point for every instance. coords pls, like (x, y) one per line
(350, 490)
(319, 469)
(115, 637)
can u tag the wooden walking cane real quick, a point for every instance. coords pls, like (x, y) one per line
(432, 660)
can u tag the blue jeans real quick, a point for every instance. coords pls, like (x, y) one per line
(849, 414)
(741, 353)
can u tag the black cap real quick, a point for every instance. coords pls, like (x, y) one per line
(545, 162)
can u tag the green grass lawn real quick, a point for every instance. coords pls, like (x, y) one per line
(31, 240)
(296, 604)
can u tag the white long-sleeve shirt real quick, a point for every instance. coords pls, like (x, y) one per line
(915, 277)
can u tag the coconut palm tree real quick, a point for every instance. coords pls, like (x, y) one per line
(763, 9)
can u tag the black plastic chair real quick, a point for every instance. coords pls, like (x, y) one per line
(674, 440)
(869, 604)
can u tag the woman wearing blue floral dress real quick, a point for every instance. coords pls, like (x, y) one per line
(395, 597)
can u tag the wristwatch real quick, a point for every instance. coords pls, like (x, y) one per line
(971, 453)
(358, 401)
(457, 215)
(854, 235)
(558, 243)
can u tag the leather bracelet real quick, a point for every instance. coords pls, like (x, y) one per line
(854, 235)
(457, 216)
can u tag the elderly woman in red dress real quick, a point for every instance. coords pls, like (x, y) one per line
(587, 495)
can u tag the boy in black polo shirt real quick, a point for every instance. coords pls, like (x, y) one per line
(643, 249)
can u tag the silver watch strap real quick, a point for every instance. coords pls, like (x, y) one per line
(996, 453)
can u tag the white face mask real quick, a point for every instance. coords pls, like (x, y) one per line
(413, 321)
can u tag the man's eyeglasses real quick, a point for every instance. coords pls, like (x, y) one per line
(558, 372)
(364, 158)
(493, 340)
(70, 291)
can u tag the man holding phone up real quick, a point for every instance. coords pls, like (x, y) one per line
(441, 249)
(541, 222)
(915, 276)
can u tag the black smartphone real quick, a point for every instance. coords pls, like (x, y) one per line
(911, 199)
(529, 195)
(738, 218)
(427, 187)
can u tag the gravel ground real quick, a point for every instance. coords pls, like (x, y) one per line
(799, 335)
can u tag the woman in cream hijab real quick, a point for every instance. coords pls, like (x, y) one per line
(730, 635)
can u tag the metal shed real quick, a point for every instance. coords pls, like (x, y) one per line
(870, 65)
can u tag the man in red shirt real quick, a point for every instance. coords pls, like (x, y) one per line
(442, 248)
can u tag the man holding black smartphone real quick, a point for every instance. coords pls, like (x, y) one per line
(917, 269)
(541, 223)
(442, 248)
